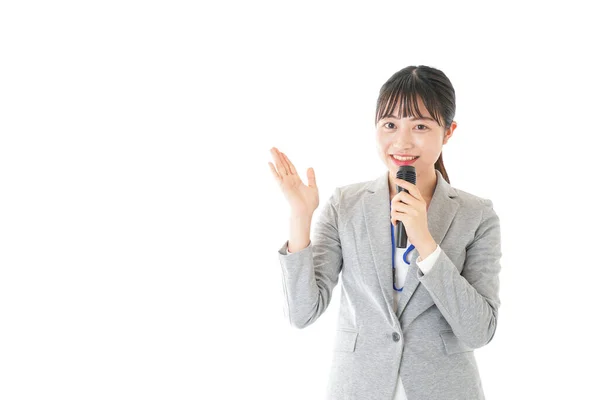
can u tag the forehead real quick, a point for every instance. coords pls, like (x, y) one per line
(406, 106)
(424, 117)
(410, 111)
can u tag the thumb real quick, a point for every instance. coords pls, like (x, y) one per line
(312, 182)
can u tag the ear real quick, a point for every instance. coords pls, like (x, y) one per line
(449, 132)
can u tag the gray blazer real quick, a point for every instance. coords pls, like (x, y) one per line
(441, 317)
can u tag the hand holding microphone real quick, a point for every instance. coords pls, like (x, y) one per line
(409, 209)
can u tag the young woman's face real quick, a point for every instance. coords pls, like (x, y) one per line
(415, 137)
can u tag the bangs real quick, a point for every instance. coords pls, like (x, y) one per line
(406, 94)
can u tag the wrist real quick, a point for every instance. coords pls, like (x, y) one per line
(427, 249)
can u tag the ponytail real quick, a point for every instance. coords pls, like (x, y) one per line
(439, 165)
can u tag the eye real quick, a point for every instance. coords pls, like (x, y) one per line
(424, 127)
(388, 123)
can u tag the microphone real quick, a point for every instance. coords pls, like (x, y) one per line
(406, 173)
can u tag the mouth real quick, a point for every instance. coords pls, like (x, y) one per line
(402, 162)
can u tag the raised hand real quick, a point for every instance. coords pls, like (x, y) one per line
(303, 199)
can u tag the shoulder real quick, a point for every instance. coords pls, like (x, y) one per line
(355, 189)
(470, 200)
(347, 199)
(477, 208)
(353, 193)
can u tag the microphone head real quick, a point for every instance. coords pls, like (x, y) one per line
(407, 173)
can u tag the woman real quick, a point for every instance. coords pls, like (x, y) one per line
(409, 318)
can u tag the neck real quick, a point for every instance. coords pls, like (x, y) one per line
(425, 183)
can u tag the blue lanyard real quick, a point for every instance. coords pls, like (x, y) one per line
(394, 256)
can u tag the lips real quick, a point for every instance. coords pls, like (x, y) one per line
(408, 162)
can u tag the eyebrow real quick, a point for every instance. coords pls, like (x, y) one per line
(412, 118)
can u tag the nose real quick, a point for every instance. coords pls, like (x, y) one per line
(402, 139)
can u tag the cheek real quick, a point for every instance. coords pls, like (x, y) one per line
(431, 154)
(429, 145)
(383, 142)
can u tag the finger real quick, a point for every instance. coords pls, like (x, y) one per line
(413, 189)
(397, 217)
(400, 208)
(274, 171)
(285, 163)
(406, 198)
(312, 181)
(404, 209)
(279, 161)
(290, 165)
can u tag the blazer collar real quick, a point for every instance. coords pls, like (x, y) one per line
(376, 211)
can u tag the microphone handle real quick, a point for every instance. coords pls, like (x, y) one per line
(400, 229)
(400, 235)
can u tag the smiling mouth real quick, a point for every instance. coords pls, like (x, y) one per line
(403, 162)
(406, 158)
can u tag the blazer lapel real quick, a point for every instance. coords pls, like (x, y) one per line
(376, 208)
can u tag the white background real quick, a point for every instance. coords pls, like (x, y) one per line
(140, 223)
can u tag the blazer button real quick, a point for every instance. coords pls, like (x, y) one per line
(396, 336)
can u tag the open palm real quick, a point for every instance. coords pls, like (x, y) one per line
(303, 199)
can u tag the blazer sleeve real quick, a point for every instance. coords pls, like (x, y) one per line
(310, 274)
(469, 300)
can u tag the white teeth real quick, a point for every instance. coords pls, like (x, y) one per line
(403, 158)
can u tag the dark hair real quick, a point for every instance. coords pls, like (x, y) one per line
(431, 85)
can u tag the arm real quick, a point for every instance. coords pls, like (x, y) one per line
(310, 274)
(469, 300)
(299, 233)
(429, 261)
